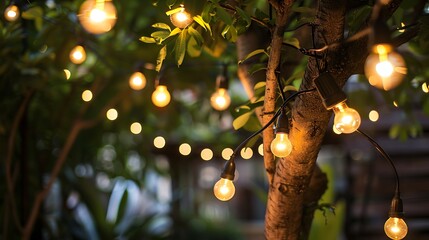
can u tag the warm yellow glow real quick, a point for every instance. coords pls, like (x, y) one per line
(185, 149)
(373, 116)
(159, 142)
(346, 120)
(206, 154)
(136, 128)
(11, 13)
(261, 149)
(224, 189)
(137, 81)
(227, 153)
(112, 114)
(336, 131)
(87, 95)
(395, 104)
(395, 228)
(402, 25)
(77, 55)
(281, 146)
(425, 88)
(67, 73)
(97, 16)
(181, 19)
(220, 100)
(246, 153)
(161, 97)
(385, 68)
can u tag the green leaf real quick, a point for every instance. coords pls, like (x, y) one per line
(196, 35)
(161, 56)
(173, 11)
(426, 107)
(180, 47)
(223, 15)
(160, 35)
(292, 41)
(240, 121)
(289, 88)
(259, 85)
(394, 131)
(147, 39)
(33, 13)
(193, 49)
(198, 19)
(170, 3)
(256, 52)
(244, 16)
(257, 67)
(162, 26)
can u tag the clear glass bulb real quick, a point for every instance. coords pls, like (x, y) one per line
(137, 81)
(224, 189)
(395, 228)
(281, 146)
(97, 16)
(77, 55)
(181, 19)
(220, 100)
(11, 13)
(385, 68)
(346, 120)
(161, 97)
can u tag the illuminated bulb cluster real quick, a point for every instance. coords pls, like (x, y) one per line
(97, 16)
(11, 13)
(77, 55)
(181, 18)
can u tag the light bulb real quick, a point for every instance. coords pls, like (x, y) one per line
(77, 55)
(346, 120)
(137, 81)
(281, 146)
(11, 13)
(161, 97)
(181, 19)
(97, 16)
(220, 100)
(385, 68)
(395, 228)
(224, 189)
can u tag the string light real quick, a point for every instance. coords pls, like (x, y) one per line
(395, 228)
(346, 120)
(159, 142)
(97, 16)
(220, 99)
(161, 97)
(11, 13)
(246, 153)
(224, 189)
(373, 116)
(185, 149)
(112, 114)
(67, 73)
(87, 95)
(181, 18)
(136, 128)
(77, 54)
(137, 81)
(281, 145)
(206, 154)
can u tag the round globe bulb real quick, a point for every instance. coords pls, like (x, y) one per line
(97, 16)
(77, 55)
(281, 146)
(395, 228)
(11, 13)
(346, 120)
(220, 100)
(224, 189)
(181, 19)
(385, 70)
(161, 97)
(137, 81)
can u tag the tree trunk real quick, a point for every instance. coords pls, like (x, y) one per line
(286, 197)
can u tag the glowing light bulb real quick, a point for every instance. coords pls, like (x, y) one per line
(395, 228)
(346, 120)
(161, 97)
(281, 146)
(97, 16)
(11, 13)
(137, 81)
(181, 19)
(220, 100)
(385, 68)
(224, 189)
(77, 55)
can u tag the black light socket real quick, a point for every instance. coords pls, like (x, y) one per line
(229, 170)
(282, 125)
(329, 91)
(396, 208)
